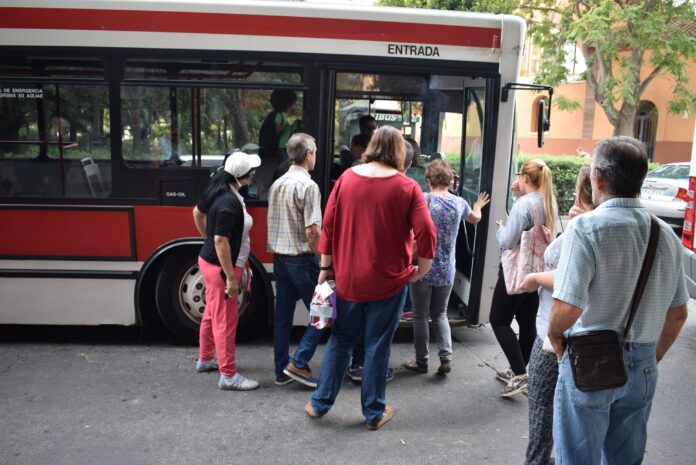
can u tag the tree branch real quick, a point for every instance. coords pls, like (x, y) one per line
(653, 74)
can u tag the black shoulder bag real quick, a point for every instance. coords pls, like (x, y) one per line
(597, 357)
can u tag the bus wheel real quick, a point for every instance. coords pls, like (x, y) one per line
(180, 296)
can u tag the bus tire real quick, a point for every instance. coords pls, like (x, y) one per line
(180, 297)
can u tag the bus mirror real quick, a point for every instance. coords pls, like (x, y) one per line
(542, 121)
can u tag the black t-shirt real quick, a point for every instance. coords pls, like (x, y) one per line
(225, 217)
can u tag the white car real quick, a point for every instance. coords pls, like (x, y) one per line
(664, 192)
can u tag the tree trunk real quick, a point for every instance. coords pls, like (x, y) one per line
(225, 142)
(626, 122)
(241, 135)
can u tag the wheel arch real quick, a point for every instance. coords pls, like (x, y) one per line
(144, 296)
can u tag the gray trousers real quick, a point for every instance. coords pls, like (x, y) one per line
(543, 374)
(431, 302)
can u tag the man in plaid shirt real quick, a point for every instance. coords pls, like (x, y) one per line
(294, 227)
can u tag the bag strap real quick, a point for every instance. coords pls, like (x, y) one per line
(535, 215)
(644, 271)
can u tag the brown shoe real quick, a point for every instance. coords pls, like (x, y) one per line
(415, 366)
(444, 368)
(302, 375)
(310, 410)
(388, 414)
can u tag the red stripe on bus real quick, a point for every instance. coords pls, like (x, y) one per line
(156, 225)
(66, 233)
(247, 24)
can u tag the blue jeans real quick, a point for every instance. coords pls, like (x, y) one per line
(296, 277)
(377, 322)
(358, 352)
(608, 426)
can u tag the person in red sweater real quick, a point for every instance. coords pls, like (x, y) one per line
(366, 244)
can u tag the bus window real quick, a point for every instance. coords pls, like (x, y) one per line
(173, 127)
(54, 140)
(193, 70)
(389, 99)
(149, 130)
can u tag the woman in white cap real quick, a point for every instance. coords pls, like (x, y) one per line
(223, 221)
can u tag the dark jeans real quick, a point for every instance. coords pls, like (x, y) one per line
(523, 308)
(377, 322)
(296, 276)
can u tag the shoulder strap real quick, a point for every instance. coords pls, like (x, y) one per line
(535, 214)
(644, 271)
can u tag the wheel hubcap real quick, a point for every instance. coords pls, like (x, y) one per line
(192, 295)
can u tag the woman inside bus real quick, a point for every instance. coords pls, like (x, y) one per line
(222, 219)
(534, 189)
(366, 244)
(431, 294)
(543, 365)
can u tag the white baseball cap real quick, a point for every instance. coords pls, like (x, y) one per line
(239, 163)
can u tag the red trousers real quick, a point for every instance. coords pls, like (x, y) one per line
(219, 324)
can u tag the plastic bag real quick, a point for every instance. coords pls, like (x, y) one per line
(322, 309)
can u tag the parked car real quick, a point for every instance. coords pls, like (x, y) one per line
(664, 192)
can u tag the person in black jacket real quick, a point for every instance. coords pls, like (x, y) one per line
(222, 219)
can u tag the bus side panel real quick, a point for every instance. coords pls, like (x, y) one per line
(65, 301)
(156, 225)
(67, 232)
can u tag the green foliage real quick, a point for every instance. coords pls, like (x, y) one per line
(563, 103)
(565, 171)
(619, 40)
(489, 6)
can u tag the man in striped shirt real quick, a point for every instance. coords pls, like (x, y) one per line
(294, 227)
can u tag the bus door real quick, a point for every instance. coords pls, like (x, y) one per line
(391, 99)
(458, 106)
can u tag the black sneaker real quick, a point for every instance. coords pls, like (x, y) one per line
(283, 379)
(355, 373)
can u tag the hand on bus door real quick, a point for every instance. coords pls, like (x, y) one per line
(482, 201)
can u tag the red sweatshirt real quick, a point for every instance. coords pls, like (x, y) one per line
(367, 228)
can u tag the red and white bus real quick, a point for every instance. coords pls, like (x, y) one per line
(114, 113)
(688, 239)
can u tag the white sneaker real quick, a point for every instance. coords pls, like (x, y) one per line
(206, 365)
(516, 385)
(237, 383)
(505, 376)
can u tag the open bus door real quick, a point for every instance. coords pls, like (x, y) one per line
(469, 187)
(688, 229)
(460, 104)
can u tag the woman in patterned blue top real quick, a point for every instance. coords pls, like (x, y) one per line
(431, 294)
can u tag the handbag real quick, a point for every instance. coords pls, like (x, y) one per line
(597, 357)
(526, 257)
(247, 277)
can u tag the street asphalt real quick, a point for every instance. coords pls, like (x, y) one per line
(98, 398)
